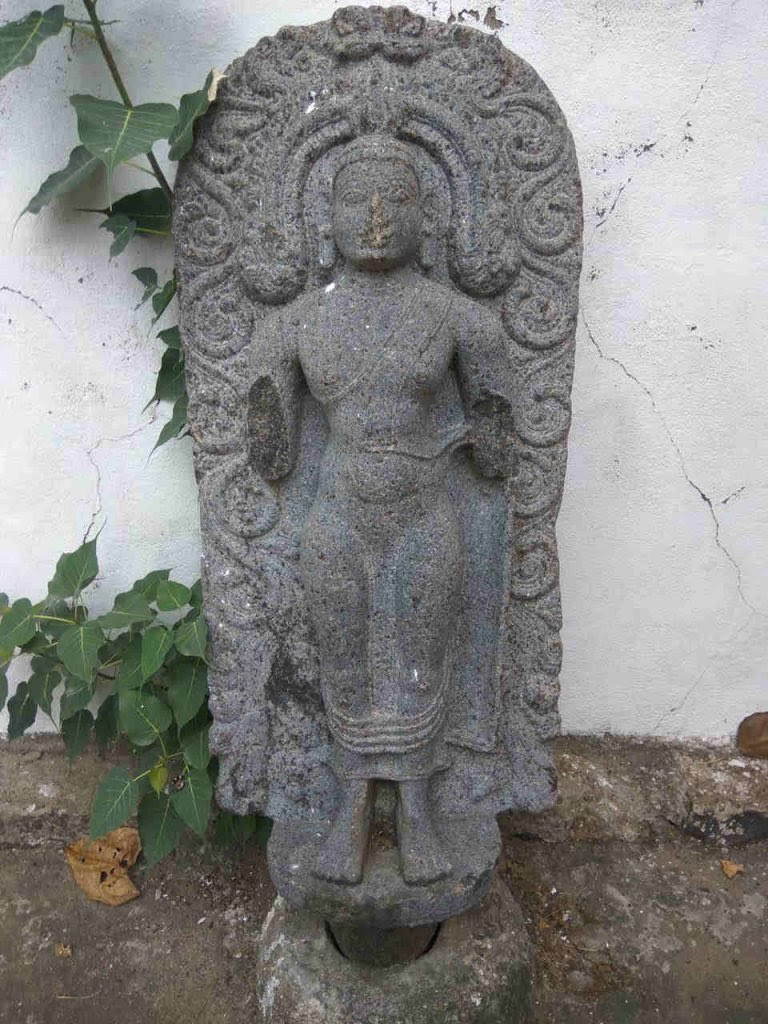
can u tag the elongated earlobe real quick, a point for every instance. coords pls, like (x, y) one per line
(326, 247)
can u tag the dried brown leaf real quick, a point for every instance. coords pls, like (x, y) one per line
(752, 737)
(731, 869)
(62, 949)
(100, 866)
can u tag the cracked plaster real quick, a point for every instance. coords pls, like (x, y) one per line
(664, 530)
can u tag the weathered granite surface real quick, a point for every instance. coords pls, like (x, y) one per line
(477, 972)
(379, 241)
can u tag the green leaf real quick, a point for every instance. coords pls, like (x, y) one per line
(175, 424)
(170, 337)
(41, 686)
(150, 209)
(192, 803)
(147, 585)
(162, 298)
(187, 689)
(115, 133)
(128, 609)
(80, 167)
(170, 384)
(19, 40)
(155, 644)
(194, 747)
(129, 675)
(78, 648)
(76, 731)
(105, 728)
(191, 106)
(143, 718)
(75, 570)
(77, 695)
(191, 637)
(17, 626)
(114, 802)
(171, 595)
(160, 827)
(122, 229)
(196, 596)
(58, 609)
(158, 776)
(148, 277)
(3, 689)
(22, 712)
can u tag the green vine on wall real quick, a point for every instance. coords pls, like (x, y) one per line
(142, 664)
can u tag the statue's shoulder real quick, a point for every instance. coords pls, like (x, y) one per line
(466, 315)
(287, 321)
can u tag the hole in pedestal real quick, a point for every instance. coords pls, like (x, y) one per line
(382, 947)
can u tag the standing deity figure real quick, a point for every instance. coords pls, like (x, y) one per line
(378, 234)
(382, 553)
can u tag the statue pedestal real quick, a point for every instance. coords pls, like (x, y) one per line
(477, 971)
(383, 900)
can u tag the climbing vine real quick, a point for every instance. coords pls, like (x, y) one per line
(137, 673)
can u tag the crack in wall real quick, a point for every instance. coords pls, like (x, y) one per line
(89, 454)
(34, 302)
(681, 460)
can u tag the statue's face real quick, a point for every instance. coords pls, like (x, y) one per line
(377, 213)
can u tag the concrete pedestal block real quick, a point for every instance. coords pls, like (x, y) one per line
(478, 971)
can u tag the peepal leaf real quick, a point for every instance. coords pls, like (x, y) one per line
(170, 337)
(41, 685)
(170, 384)
(3, 689)
(162, 298)
(75, 570)
(122, 229)
(159, 827)
(19, 40)
(81, 166)
(148, 277)
(188, 685)
(147, 585)
(194, 747)
(77, 695)
(129, 675)
(78, 648)
(172, 596)
(142, 717)
(76, 731)
(115, 133)
(22, 712)
(191, 106)
(155, 644)
(128, 609)
(150, 209)
(192, 803)
(175, 424)
(114, 802)
(191, 637)
(17, 626)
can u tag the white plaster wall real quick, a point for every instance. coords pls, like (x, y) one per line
(664, 528)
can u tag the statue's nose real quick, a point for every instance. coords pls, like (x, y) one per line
(378, 230)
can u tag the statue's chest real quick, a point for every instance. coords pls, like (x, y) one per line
(375, 356)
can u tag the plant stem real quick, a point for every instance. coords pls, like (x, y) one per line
(117, 78)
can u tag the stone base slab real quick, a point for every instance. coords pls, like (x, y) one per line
(478, 971)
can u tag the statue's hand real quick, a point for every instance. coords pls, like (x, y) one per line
(492, 437)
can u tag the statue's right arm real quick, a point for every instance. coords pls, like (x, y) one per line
(274, 399)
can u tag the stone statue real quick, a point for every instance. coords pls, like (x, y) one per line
(378, 236)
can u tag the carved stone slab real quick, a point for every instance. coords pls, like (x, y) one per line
(303, 122)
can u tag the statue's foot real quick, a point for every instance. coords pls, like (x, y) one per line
(342, 856)
(422, 858)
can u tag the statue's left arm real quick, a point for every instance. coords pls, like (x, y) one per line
(274, 400)
(485, 380)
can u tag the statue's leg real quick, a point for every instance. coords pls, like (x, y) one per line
(332, 564)
(430, 568)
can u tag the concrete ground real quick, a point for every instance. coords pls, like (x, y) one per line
(631, 915)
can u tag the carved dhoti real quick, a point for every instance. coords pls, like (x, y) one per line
(383, 561)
